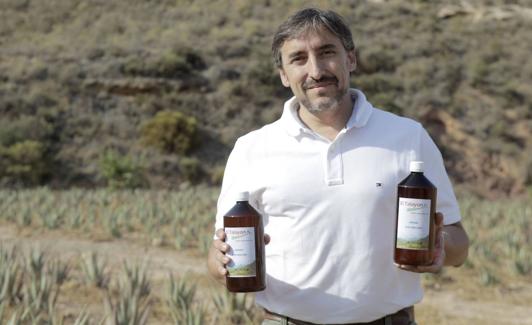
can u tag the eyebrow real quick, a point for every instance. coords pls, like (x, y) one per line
(321, 48)
(326, 47)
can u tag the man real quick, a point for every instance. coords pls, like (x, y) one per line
(324, 177)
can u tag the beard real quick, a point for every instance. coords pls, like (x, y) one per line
(323, 103)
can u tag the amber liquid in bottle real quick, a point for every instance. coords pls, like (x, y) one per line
(245, 237)
(416, 205)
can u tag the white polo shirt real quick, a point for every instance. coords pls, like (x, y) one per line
(330, 208)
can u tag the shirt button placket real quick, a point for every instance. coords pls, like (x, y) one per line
(334, 164)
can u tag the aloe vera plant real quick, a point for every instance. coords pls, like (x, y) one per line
(181, 304)
(94, 269)
(11, 277)
(132, 306)
(234, 308)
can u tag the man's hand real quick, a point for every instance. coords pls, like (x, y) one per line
(439, 251)
(217, 259)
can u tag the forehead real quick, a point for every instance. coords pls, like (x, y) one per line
(310, 39)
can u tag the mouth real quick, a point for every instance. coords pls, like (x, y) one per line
(321, 84)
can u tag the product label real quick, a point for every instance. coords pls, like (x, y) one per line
(241, 241)
(413, 224)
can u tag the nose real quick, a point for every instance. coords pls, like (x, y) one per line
(315, 68)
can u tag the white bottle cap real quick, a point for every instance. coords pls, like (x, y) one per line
(416, 166)
(242, 196)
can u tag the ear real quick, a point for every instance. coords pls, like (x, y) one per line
(352, 60)
(284, 78)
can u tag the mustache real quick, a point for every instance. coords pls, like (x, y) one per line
(313, 83)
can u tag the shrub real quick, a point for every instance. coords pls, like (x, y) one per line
(170, 132)
(120, 171)
(23, 162)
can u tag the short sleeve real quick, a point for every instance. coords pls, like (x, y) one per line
(234, 181)
(436, 173)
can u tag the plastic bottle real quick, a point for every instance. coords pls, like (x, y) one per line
(416, 204)
(245, 236)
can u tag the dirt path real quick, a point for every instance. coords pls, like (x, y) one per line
(161, 260)
(439, 307)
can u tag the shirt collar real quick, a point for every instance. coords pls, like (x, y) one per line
(359, 118)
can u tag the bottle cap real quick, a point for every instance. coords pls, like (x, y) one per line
(416, 166)
(242, 196)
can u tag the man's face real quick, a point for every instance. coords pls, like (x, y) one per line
(316, 67)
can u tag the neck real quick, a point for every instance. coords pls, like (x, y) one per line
(330, 122)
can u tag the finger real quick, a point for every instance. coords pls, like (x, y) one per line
(222, 270)
(220, 233)
(433, 268)
(439, 247)
(410, 268)
(222, 258)
(439, 257)
(438, 221)
(221, 246)
(267, 239)
(440, 243)
(439, 260)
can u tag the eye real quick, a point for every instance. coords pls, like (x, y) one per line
(297, 59)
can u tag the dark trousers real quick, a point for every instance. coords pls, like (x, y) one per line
(402, 317)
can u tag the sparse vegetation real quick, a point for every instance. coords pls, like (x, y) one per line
(500, 253)
(180, 219)
(149, 86)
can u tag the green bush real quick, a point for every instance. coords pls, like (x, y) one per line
(23, 162)
(170, 132)
(24, 148)
(120, 171)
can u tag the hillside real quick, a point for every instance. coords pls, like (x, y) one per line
(82, 82)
